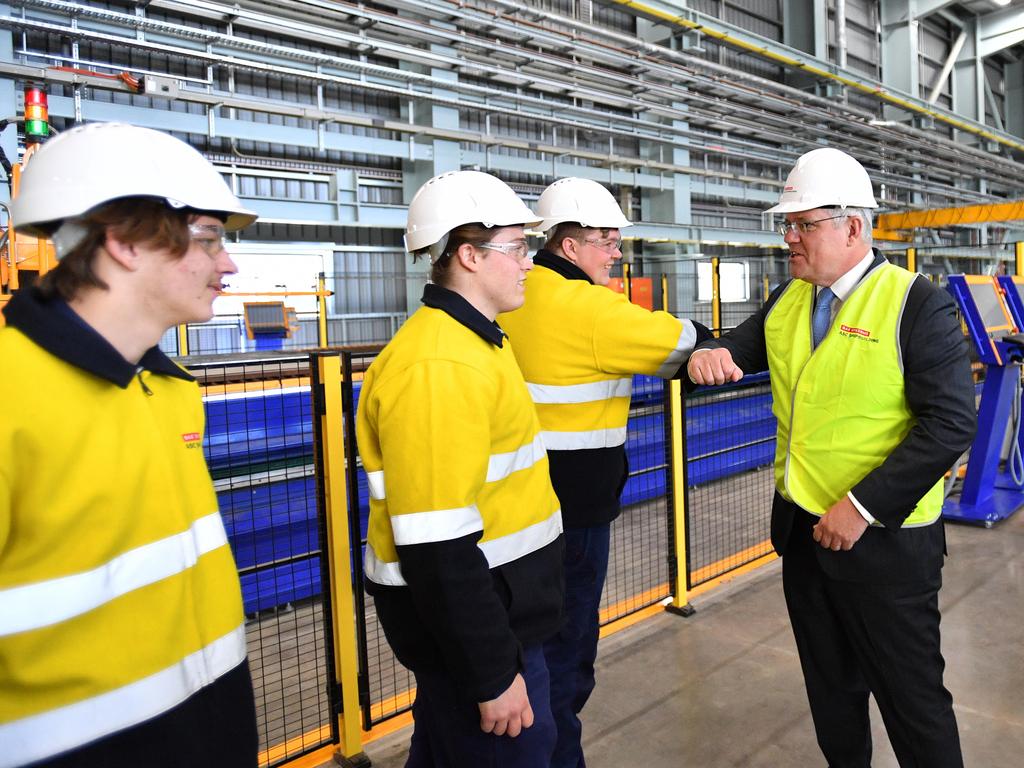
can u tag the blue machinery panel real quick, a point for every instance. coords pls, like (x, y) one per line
(261, 445)
(993, 321)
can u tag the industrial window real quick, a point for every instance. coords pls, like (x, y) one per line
(733, 281)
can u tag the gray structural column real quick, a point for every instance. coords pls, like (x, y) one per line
(1014, 78)
(438, 156)
(803, 28)
(968, 82)
(900, 68)
(670, 206)
(8, 107)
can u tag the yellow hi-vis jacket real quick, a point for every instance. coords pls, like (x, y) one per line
(578, 345)
(119, 596)
(463, 552)
(841, 409)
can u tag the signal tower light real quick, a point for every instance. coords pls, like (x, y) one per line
(37, 115)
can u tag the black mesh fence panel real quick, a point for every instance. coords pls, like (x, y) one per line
(730, 447)
(638, 574)
(389, 688)
(259, 447)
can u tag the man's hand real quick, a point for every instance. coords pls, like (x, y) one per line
(712, 366)
(841, 527)
(508, 714)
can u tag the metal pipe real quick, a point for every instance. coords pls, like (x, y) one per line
(841, 34)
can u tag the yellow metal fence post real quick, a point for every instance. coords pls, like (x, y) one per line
(716, 299)
(911, 259)
(321, 303)
(626, 286)
(328, 409)
(1018, 258)
(677, 466)
(182, 340)
(664, 292)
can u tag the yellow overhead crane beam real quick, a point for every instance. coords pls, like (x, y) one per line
(951, 217)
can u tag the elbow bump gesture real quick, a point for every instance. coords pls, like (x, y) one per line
(713, 366)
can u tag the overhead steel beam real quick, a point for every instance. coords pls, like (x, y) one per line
(998, 31)
(952, 217)
(927, 7)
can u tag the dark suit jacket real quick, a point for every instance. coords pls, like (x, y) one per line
(940, 394)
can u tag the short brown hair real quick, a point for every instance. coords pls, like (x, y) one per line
(135, 220)
(474, 234)
(571, 229)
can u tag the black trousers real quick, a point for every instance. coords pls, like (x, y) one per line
(856, 638)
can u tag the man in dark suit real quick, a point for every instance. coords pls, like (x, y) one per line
(872, 391)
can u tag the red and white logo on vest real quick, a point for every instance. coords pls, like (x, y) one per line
(853, 332)
(192, 439)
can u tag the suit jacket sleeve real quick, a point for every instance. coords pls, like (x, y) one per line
(940, 394)
(745, 342)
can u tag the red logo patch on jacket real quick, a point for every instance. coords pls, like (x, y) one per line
(858, 331)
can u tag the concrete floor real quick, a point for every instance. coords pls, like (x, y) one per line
(723, 687)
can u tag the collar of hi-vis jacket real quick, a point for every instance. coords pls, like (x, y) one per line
(54, 326)
(461, 310)
(564, 267)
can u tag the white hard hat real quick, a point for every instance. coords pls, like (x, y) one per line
(580, 200)
(455, 198)
(822, 178)
(95, 163)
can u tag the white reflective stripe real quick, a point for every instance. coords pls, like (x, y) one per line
(595, 391)
(379, 572)
(49, 733)
(516, 545)
(254, 394)
(435, 525)
(579, 441)
(47, 602)
(686, 342)
(375, 481)
(498, 551)
(501, 465)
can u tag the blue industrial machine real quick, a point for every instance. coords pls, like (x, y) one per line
(989, 494)
(1011, 286)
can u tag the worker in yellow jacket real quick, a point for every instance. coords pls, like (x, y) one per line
(463, 551)
(578, 345)
(122, 638)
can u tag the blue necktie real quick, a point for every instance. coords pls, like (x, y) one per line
(822, 315)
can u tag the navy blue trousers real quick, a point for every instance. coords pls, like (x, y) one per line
(447, 731)
(571, 653)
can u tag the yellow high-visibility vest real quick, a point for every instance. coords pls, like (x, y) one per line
(841, 409)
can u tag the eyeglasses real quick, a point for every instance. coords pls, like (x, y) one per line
(803, 227)
(517, 249)
(608, 246)
(209, 237)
